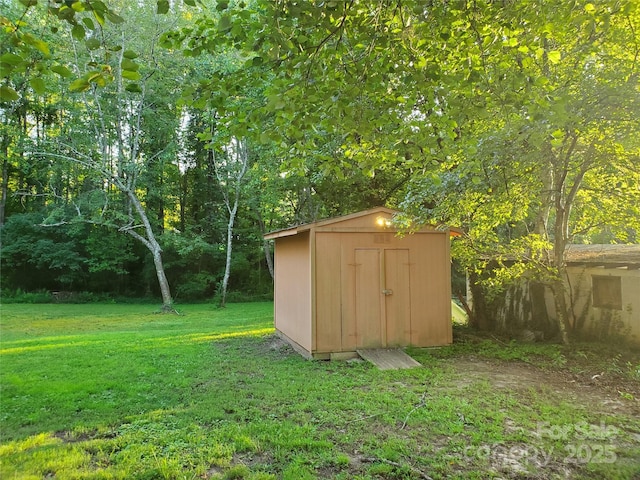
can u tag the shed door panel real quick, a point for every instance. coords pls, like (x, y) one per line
(397, 297)
(368, 312)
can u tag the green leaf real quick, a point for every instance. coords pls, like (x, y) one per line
(276, 101)
(37, 44)
(99, 17)
(114, 18)
(11, 59)
(62, 71)
(78, 6)
(554, 56)
(541, 81)
(92, 43)
(38, 85)
(8, 94)
(89, 23)
(163, 7)
(222, 5)
(129, 75)
(134, 88)
(5, 70)
(130, 54)
(29, 3)
(129, 65)
(79, 85)
(224, 24)
(101, 80)
(557, 142)
(66, 13)
(191, 3)
(590, 8)
(78, 32)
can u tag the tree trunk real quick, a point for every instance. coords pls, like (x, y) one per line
(5, 187)
(149, 240)
(483, 317)
(167, 301)
(227, 266)
(560, 303)
(559, 245)
(266, 244)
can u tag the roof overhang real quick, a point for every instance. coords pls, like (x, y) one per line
(326, 223)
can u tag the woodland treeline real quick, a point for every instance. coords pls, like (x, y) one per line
(147, 146)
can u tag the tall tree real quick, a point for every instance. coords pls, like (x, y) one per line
(230, 171)
(109, 131)
(562, 97)
(525, 103)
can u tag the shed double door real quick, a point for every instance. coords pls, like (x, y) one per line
(382, 298)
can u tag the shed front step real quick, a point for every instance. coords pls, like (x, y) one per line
(388, 358)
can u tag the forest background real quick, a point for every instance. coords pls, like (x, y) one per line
(147, 146)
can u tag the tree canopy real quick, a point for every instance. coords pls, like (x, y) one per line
(514, 120)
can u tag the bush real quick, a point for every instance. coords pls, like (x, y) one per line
(241, 297)
(18, 296)
(45, 296)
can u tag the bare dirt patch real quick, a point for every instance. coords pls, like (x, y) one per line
(601, 392)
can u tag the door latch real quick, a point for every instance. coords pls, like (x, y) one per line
(387, 292)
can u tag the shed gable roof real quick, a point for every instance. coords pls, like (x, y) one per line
(342, 221)
(354, 221)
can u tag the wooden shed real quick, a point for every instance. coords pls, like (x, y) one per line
(351, 283)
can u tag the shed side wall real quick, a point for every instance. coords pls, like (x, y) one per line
(292, 298)
(431, 290)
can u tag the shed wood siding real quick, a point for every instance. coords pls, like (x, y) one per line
(292, 298)
(367, 287)
(329, 286)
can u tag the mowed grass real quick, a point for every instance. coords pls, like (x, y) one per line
(117, 391)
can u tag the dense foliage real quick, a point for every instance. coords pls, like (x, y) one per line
(515, 120)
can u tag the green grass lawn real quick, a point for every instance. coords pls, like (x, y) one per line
(117, 391)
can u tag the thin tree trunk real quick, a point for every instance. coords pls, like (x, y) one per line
(266, 244)
(5, 187)
(241, 157)
(227, 267)
(167, 301)
(149, 240)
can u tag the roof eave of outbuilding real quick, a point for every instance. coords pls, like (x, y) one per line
(287, 232)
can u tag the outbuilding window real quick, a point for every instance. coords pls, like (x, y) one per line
(607, 292)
